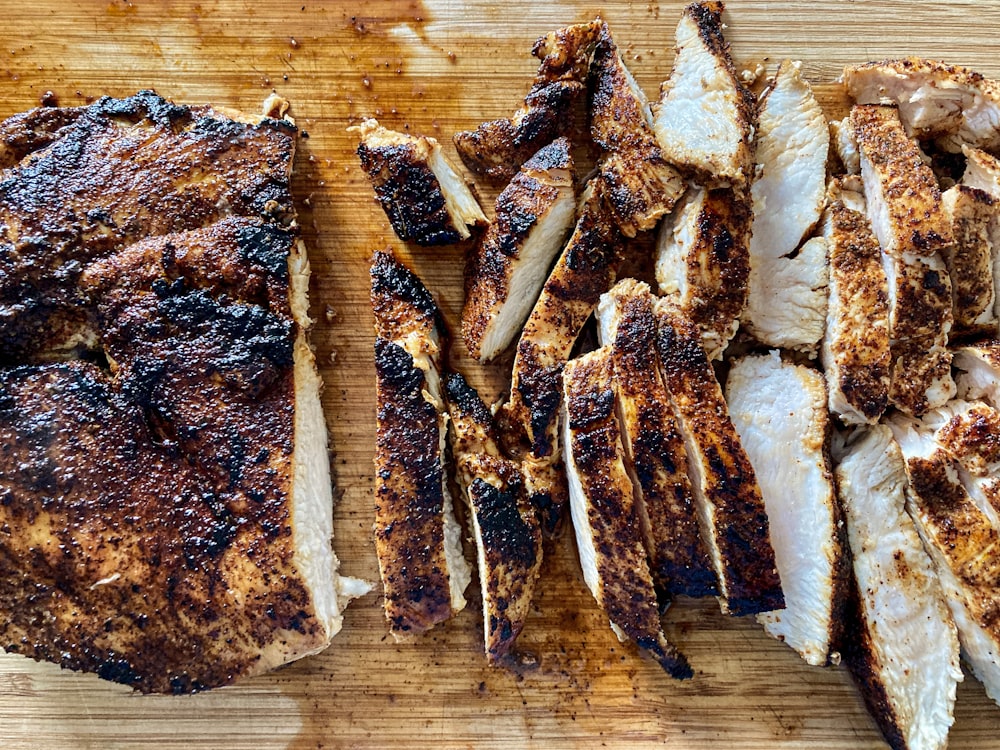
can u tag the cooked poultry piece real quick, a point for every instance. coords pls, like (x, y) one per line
(727, 495)
(420, 191)
(982, 171)
(779, 412)
(655, 457)
(950, 104)
(641, 186)
(901, 646)
(963, 544)
(604, 514)
(27, 132)
(979, 371)
(417, 539)
(585, 270)
(907, 216)
(496, 149)
(506, 270)
(123, 170)
(167, 520)
(508, 538)
(844, 145)
(969, 260)
(703, 262)
(706, 118)
(855, 350)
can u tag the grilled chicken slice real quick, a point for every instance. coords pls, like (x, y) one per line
(506, 270)
(905, 209)
(417, 539)
(655, 457)
(969, 260)
(420, 191)
(779, 412)
(963, 544)
(508, 538)
(844, 145)
(604, 514)
(496, 149)
(982, 171)
(585, 270)
(855, 350)
(978, 368)
(642, 187)
(727, 495)
(703, 262)
(950, 104)
(706, 117)
(902, 647)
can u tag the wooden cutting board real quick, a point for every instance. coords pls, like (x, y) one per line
(435, 67)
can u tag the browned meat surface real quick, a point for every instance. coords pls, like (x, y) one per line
(25, 132)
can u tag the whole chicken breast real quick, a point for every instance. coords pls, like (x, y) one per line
(604, 514)
(509, 265)
(969, 260)
(726, 492)
(706, 118)
(902, 645)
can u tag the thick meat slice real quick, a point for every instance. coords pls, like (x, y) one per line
(969, 260)
(508, 538)
(604, 515)
(903, 646)
(654, 449)
(706, 117)
(703, 263)
(855, 351)
(948, 103)
(904, 207)
(506, 270)
(585, 270)
(420, 191)
(978, 368)
(642, 187)
(496, 149)
(963, 544)
(417, 538)
(727, 495)
(779, 412)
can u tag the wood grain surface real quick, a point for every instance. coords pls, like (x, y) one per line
(435, 67)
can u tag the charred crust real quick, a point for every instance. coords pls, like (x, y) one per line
(505, 534)
(399, 298)
(707, 16)
(466, 398)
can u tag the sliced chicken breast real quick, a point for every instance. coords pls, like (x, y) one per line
(779, 412)
(703, 261)
(497, 149)
(969, 260)
(947, 103)
(508, 538)
(604, 515)
(417, 539)
(855, 350)
(706, 117)
(902, 647)
(418, 188)
(642, 187)
(978, 368)
(982, 171)
(963, 544)
(506, 270)
(727, 495)
(844, 145)
(654, 449)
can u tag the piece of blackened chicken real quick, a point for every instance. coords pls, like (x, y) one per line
(962, 542)
(978, 367)
(706, 118)
(604, 515)
(585, 270)
(907, 216)
(641, 185)
(506, 270)
(950, 104)
(655, 456)
(901, 644)
(727, 495)
(855, 349)
(423, 195)
(780, 413)
(508, 538)
(496, 149)
(970, 260)
(417, 538)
